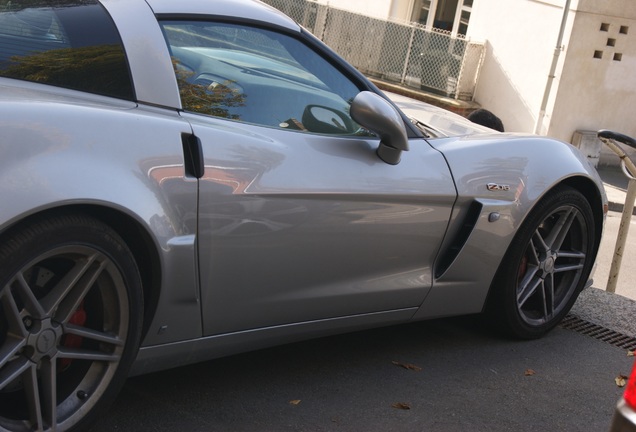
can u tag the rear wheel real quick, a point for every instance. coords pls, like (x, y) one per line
(546, 266)
(70, 297)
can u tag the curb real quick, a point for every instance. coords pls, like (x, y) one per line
(619, 207)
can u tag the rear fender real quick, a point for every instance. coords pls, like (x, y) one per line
(54, 159)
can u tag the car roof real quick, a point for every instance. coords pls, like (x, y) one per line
(251, 10)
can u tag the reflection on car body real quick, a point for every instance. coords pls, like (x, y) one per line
(186, 180)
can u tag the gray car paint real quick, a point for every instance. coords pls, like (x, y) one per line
(348, 235)
(146, 51)
(437, 122)
(140, 175)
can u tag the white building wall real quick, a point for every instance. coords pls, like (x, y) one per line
(400, 9)
(587, 93)
(521, 36)
(598, 93)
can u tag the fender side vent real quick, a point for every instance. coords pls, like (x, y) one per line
(572, 322)
(469, 221)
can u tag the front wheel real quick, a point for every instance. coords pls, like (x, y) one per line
(546, 265)
(70, 322)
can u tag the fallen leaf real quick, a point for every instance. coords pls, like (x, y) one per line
(407, 366)
(294, 402)
(621, 380)
(529, 372)
(401, 405)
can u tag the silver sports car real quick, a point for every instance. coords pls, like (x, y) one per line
(187, 179)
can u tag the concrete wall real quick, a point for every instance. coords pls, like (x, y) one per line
(598, 93)
(400, 9)
(521, 36)
(588, 93)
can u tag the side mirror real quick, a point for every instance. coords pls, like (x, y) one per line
(322, 119)
(374, 113)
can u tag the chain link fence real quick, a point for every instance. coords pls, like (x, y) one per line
(403, 53)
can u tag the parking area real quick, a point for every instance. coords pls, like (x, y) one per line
(449, 374)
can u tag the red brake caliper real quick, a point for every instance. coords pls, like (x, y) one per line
(523, 267)
(71, 340)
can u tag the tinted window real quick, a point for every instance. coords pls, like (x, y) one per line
(259, 76)
(71, 44)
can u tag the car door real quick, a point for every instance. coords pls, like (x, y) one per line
(299, 220)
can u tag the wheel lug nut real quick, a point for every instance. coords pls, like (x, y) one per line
(28, 322)
(82, 395)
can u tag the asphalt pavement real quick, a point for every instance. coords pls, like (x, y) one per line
(616, 311)
(443, 375)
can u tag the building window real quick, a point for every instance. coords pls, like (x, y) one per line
(465, 11)
(422, 11)
(449, 15)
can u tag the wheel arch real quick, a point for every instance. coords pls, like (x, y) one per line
(496, 301)
(590, 191)
(132, 233)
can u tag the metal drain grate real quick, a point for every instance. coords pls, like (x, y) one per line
(596, 331)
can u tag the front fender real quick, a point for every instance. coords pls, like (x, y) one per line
(528, 165)
(520, 170)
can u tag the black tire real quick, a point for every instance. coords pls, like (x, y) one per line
(546, 266)
(71, 303)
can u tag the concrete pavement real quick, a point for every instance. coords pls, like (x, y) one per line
(613, 311)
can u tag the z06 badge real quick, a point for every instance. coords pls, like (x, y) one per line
(497, 187)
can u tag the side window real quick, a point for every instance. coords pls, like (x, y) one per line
(71, 44)
(259, 76)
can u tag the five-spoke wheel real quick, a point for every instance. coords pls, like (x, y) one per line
(70, 303)
(547, 264)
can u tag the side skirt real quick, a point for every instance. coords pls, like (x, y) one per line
(159, 357)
